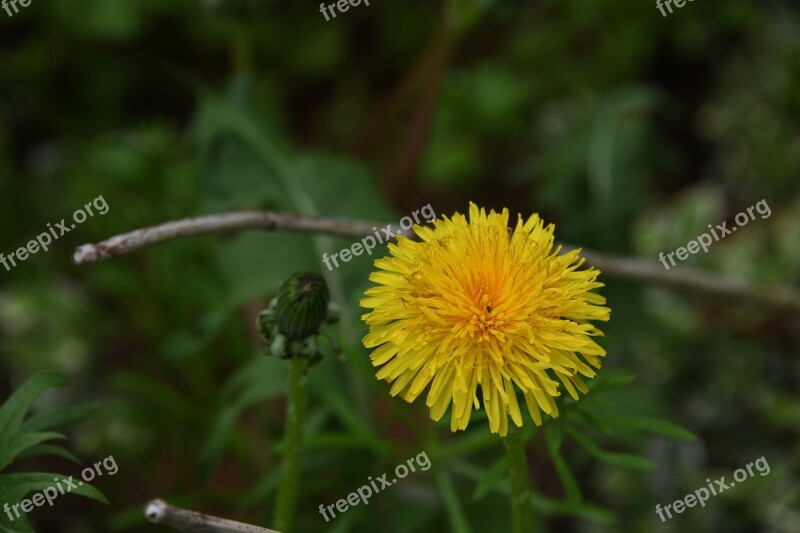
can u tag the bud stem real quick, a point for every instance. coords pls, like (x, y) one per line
(290, 474)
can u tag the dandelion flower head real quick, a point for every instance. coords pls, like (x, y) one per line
(475, 311)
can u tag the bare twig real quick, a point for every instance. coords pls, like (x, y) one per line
(693, 280)
(160, 512)
(613, 266)
(235, 221)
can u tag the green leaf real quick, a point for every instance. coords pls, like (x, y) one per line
(458, 519)
(16, 444)
(555, 435)
(541, 504)
(610, 381)
(14, 409)
(334, 398)
(51, 450)
(471, 442)
(622, 460)
(336, 441)
(650, 424)
(260, 380)
(58, 418)
(493, 476)
(25, 439)
(592, 420)
(16, 487)
(312, 185)
(571, 489)
(169, 402)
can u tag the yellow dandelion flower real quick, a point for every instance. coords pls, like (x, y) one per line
(475, 304)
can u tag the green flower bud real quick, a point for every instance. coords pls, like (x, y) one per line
(302, 304)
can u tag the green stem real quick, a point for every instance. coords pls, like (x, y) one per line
(519, 478)
(290, 473)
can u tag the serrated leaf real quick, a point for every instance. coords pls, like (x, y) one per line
(493, 476)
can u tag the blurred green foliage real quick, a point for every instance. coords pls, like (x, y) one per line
(24, 436)
(629, 130)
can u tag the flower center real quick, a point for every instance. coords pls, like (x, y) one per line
(485, 322)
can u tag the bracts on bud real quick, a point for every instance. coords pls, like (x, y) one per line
(291, 323)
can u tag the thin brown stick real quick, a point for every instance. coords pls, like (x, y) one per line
(693, 280)
(612, 266)
(160, 512)
(222, 223)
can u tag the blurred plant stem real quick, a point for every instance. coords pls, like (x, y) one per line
(518, 477)
(290, 474)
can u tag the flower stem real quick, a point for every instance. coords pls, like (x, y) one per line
(519, 479)
(290, 475)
